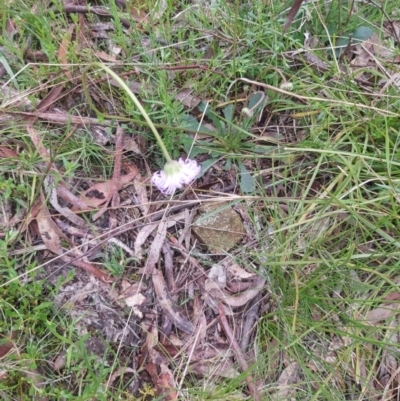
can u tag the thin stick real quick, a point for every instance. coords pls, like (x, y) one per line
(239, 355)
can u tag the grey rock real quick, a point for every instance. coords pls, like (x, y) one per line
(218, 227)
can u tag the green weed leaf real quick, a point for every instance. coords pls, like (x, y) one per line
(206, 165)
(362, 33)
(247, 183)
(228, 112)
(359, 35)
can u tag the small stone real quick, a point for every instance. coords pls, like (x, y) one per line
(218, 227)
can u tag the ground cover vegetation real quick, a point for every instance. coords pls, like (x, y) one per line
(274, 274)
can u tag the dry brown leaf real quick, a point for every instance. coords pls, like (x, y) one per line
(52, 235)
(49, 231)
(239, 272)
(121, 371)
(99, 193)
(152, 337)
(31, 216)
(187, 99)
(141, 193)
(390, 361)
(377, 48)
(129, 289)
(82, 34)
(239, 299)
(288, 376)
(212, 302)
(60, 361)
(63, 51)
(130, 143)
(138, 15)
(100, 135)
(392, 29)
(6, 347)
(105, 57)
(212, 351)
(377, 315)
(211, 368)
(145, 231)
(396, 30)
(50, 98)
(137, 87)
(176, 342)
(371, 48)
(11, 28)
(141, 238)
(201, 320)
(64, 211)
(37, 141)
(70, 7)
(393, 296)
(61, 189)
(16, 98)
(155, 249)
(67, 195)
(167, 383)
(168, 306)
(6, 152)
(152, 363)
(134, 301)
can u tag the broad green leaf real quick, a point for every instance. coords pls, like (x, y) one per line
(228, 164)
(359, 35)
(190, 123)
(194, 150)
(216, 120)
(228, 112)
(254, 99)
(205, 165)
(205, 107)
(247, 183)
(202, 106)
(362, 33)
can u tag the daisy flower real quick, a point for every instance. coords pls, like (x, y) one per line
(175, 175)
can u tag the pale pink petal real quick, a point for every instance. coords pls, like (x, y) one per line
(169, 182)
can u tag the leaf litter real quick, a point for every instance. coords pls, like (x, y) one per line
(74, 238)
(182, 314)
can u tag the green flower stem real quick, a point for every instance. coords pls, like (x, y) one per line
(131, 95)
